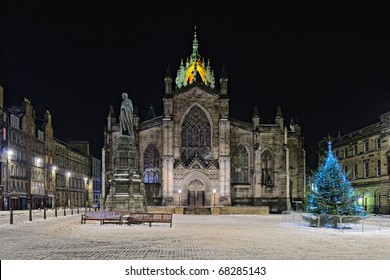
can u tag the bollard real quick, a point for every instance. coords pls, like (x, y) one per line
(71, 210)
(44, 213)
(11, 217)
(55, 212)
(30, 215)
(64, 211)
(78, 210)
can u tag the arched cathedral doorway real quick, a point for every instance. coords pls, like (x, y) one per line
(196, 193)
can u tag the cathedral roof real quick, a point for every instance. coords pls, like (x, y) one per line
(195, 69)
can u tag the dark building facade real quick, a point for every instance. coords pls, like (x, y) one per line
(365, 156)
(196, 154)
(37, 170)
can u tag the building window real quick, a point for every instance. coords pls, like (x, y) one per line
(345, 170)
(355, 171)
(239, 166)
(377, 143)
(40, 135)
(196, 137)
(355, 149)
(14, 121)
(366, 146)
(345, 152)
(378, 168)
(151, 165)
(266, 168)
(337, 153)
(366, 170)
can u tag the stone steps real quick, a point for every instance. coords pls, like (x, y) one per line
(197, 210)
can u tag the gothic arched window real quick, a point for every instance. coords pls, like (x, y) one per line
(239, 165)
(196, 137)
(151, 165)
(266, 168)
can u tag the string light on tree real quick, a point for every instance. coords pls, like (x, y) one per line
(331, 192)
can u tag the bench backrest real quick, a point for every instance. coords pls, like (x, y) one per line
(102, 214)
(150, 216)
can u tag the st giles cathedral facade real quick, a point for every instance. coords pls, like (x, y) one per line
(197, 155)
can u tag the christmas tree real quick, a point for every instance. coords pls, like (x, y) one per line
(331, 193)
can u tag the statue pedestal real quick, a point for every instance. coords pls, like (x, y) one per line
(127, 191)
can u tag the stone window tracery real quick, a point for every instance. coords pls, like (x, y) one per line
(239, 165)
(196, 137)
(151, 165)
(266, 168)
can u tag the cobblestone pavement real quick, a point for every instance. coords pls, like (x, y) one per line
(192, 237)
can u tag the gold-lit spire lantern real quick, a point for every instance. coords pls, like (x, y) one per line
(195, 68)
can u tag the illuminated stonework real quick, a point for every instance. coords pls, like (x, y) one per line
(196, 155)
(194, 68)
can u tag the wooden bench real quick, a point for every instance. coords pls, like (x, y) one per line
(135, 218)
(102, 216)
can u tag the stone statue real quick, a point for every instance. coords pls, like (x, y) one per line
(126, 116)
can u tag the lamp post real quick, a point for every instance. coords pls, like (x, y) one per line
(214, 192)
(86, 191)
(53, 177)
(67, 188)
(53, 187)
(9, 157)
(179, 191)
(39, 161)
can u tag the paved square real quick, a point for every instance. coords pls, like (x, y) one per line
(192, 237)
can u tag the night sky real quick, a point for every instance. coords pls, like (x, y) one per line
(328, 68)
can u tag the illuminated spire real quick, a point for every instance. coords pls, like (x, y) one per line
(195, 46)
(194, 56)
(195, 68)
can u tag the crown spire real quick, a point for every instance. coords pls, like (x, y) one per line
(195, 69)
(195, 46)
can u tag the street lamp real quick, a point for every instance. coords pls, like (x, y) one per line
(86, 191)
(67, 188)
(179, 191)
(214, 191)
(9, 157)
(39, 190)
(53, 186)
